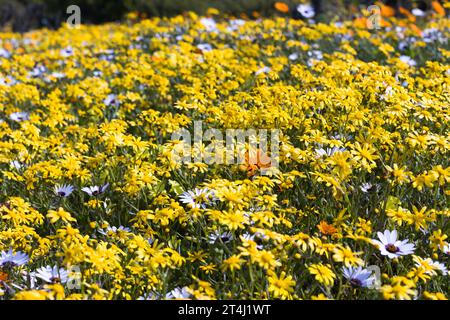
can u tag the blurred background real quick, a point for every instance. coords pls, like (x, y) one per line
(23, 15)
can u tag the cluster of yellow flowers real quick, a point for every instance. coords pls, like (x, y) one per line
(93, 205)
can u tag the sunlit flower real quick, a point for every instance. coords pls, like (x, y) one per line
(66, 52)
(179, 293)
(225, 237)
(52, 274)
(281, 286)
(95, 190)
(264, 69)
(326, 228)
(19, 116)
(446, 249)
(417, 12)
(365, 187)
(9, 259)
(114, 230)
(209, 24)
(206, 47)
(391, 247)
(60, 214)
(281, 6)
(306, 10)
(63, 190)
(111, 100)
(293, 56)
(17, 165)
(358, 277)
(347, 256)
(197, 198)
(408, 61)
(323, 274)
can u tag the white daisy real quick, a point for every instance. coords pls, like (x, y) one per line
(111, 100)
(430, 265)
(316, 54)
(16, 164)
(433, 34)
(206, 47)
(235, 24)
(148, 296)
(29, 278)
(63, 190)
(198, 198)
(328, 152)
(9, 259)
(52, 274)
(446, 249)
(306, 10)
(66, 52)
(365, 187)
(8, 81)
(57, 75)
(293, 56)
(388, 93)
(209, 24)
(440, 266)
(4, 53)
(408, 60)
(37, 71)
(225, 237)
(114, 229)
(358, 277)
(262, 70)
(95, 190)
(391, 247)
(251, 237)
(261, 235)
(19, 116)
(179, 293)
(417, 12)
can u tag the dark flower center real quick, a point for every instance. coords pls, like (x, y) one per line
(391, 248)
(225, 239)
(9, 265)
(355, 282)
(61, 193)
(55, 280)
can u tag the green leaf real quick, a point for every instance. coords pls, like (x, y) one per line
(175, 187)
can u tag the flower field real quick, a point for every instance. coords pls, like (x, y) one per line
(94, 204)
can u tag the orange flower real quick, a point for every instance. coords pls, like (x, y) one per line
(3, 276)
(8, 46)
(156, 59)
(360, 22)
(387, 11)
(416, 29)
(282, 7)
(254, 161)
(408, 14)
(326, 228)
(438, 8)
(384, 23)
